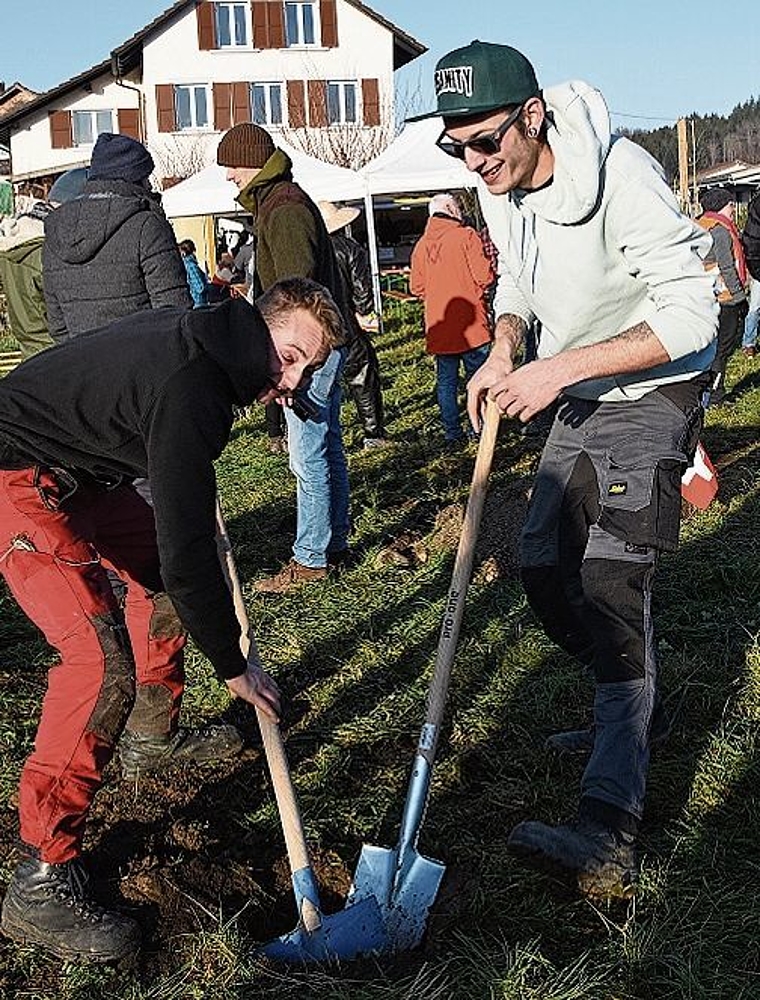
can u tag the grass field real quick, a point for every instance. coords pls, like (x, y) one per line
(199, 860)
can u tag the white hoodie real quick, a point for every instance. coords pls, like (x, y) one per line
(602, 248)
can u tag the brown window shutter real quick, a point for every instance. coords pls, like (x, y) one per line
(276, 24)
(317, 103)
(371, 101)
(260, 13)
(206, 26)
(329, 20)
(61, 134)
(129, 123)
(296, 104)
(222, 97)
(241, 103)
(165, 107)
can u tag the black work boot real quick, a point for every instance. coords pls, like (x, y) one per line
(581, 741)
(603, 859)
(142, 754)
(49, 905)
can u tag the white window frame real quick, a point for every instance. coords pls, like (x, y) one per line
(300, 6)
(94, 129)
(268, 87)
(193, 90)
(230, 9)
(340, 87)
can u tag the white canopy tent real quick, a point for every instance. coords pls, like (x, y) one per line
(412, 163)
(209, 192)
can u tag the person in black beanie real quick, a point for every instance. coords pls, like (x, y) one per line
(111, 252)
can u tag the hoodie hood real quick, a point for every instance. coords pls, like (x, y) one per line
(78, 230)
(579, 136)
(14, 233)
(235, 335)
(279, 167)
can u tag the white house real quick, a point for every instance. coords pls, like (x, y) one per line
(303, 67)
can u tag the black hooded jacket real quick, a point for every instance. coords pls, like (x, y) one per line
(108, 254)
(151, 395)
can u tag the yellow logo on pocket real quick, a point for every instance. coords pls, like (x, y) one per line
(617, 489)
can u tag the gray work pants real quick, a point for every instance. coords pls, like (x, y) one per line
(605, 503)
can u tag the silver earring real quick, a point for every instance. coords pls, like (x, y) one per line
(532, 132)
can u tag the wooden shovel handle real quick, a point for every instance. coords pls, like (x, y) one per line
(452, 616)
(290, 814)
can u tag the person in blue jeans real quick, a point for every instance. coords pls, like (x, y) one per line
(447, 387)
(291, 239)
(451, 272)
(318, 462)
(749, 340)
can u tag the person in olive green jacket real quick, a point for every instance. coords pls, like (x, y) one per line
(21, 240)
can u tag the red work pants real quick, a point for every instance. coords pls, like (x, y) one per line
(57, 539)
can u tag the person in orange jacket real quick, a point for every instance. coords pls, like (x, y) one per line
(451, 273)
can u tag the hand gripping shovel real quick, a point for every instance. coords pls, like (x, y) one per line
(403, 882)
(316, 937)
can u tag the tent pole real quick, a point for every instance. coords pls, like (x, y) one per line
(369, 212)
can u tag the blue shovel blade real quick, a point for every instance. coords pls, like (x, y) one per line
(404, 892)
(356, 931)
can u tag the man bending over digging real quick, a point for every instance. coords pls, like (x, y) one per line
(151, 395)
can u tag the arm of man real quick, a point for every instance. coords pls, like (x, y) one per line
(188, 431)
(293, 240)
(361, 278)
(477, 262)
(723, 248)
(529, 389)
(417, 272)
(161, 263)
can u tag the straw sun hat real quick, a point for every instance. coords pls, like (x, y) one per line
(336, 218)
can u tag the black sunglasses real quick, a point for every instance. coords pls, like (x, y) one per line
(487, 144)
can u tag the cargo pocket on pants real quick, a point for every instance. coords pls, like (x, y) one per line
(641, 493)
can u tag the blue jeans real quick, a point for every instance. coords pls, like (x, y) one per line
(318, 462)
(447, 385)
(751, 320)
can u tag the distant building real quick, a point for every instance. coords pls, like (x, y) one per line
(200, 67)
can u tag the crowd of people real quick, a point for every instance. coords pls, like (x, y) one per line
(137, 360)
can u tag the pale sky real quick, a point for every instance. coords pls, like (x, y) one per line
(654, 61)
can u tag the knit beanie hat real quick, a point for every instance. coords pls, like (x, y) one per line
(119, 158)
(716, 198)
(245, 145)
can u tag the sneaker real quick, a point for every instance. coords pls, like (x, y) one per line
(378, 442)
(581, 741)
(49, 905)
(141, 754)
(292, 575)
(603, 859)
(749, 352)
(278, 445)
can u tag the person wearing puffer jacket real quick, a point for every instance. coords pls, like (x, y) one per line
(111, 252)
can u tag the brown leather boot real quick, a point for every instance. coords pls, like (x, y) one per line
(292, 575)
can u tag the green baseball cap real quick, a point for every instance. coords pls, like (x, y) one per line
(481, 77)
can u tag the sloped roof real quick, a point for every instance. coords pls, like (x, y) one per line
(128, 55)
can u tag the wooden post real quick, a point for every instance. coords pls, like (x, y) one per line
(683, 165)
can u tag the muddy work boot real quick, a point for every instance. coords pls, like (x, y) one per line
(289, 577)
(142, 754)
(602, 858)
(49, 905)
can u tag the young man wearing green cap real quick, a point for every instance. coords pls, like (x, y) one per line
(591, 243)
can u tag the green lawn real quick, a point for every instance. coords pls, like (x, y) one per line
(354, 656)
